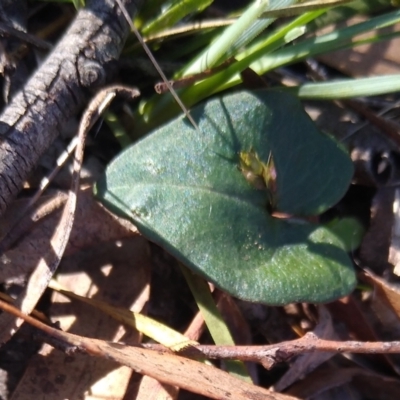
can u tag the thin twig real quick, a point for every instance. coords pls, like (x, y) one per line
(25, 37)
(157, 67)
(270, 355)
(185, 81)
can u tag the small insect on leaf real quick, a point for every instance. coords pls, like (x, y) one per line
(260, 175)
(252, 169)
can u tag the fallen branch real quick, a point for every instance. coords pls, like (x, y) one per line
(82, 61)
(167, 368)
(270, 355)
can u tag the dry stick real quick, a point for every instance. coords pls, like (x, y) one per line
(167, 368)
(82, 61)
(272, 354)
(266, 355)
(47, 265)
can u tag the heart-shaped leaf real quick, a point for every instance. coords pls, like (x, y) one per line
(186, 191)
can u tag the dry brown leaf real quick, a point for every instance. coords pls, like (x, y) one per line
(354, 381)
(351, 312)
(385, 309)
(152, 389)
(238, 326)
(93, 224)
(105, 273)
(394, 249)
(388, 293)
(233, 316)
(175, 370)
(36, 251)
(322, 380)
(374, 249)
(306, 363)
(36, 230)
(376, 386)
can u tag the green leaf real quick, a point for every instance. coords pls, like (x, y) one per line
(349, 230)
(216, 325)
(186, 192)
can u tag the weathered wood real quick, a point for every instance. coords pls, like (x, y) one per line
(82, 61)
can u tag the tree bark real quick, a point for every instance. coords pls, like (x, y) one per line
(81, 61)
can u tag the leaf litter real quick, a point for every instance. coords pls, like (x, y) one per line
(95, 267)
